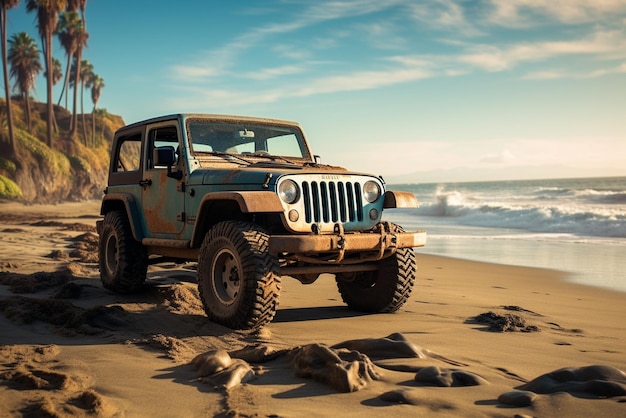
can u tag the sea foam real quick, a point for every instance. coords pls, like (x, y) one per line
(530, 207)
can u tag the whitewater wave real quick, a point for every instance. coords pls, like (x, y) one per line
(574, 215)
(590, 196)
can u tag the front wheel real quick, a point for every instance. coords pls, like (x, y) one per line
(123, 261)
(238, 279)
(384, 290)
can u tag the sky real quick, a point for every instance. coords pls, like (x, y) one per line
(416, 91)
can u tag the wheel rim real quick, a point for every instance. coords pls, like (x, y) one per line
(362, 280)
(112, 255)
(226, 277)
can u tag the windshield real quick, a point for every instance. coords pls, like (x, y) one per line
(245, 139)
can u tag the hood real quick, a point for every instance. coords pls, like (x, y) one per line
(258, 173)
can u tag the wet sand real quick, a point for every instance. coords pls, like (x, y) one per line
(474, 339)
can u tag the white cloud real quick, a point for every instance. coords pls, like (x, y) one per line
(291, 52)
(191, 72)
(557, 74)
(547, 75)
(443, 14)
(269, 73)
(360, 80)
(331, 10)
(487, 57)
(620, 69)
(382, 35)
(494, 58)
(525, 12)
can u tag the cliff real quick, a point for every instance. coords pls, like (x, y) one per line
(72, 169)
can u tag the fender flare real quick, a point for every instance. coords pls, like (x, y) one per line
(112, 202)
(396, 199)
(247, 201)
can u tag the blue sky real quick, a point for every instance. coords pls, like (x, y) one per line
(414, 90)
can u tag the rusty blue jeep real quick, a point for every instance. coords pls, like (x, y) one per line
(247, 200)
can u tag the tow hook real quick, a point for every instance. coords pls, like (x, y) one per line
(341, 242)
(388, 238)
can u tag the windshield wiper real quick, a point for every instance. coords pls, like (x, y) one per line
(265, 154)
(229, 156)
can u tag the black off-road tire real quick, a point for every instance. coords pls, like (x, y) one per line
(123, 261)
(385, 290)
(238, 279)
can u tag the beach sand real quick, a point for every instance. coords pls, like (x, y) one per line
(474, 339)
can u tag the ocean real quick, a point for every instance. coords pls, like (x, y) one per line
(573, 225)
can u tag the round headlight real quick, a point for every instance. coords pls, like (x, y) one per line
(371, 191)
(288, 191)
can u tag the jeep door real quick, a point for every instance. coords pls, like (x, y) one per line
(163, 199)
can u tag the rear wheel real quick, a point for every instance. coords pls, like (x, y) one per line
(384, 290)
(238, 279)
(123, 261)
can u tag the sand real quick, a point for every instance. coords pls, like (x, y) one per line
(474, 339)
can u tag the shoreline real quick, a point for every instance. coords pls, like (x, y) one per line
(567, 277)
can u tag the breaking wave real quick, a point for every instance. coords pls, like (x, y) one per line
(584, 212)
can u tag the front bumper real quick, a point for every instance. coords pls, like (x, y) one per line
(377, 243)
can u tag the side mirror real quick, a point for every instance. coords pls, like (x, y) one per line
(164, 156)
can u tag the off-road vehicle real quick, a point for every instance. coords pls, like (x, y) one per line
(247, 200)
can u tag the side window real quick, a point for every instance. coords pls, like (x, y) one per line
(161, 137)
(129, 154)
(126, 162)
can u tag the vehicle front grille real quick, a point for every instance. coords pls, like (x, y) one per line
(332, 201)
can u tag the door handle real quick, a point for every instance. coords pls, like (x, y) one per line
(145, 183)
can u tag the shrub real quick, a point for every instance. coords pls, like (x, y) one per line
(8, 189)
(8, 166)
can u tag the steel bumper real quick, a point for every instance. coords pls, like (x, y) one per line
(351, 242)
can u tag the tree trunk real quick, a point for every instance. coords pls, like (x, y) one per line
(66, 81)
(7, 86)
(27, 104)
(82, 111)
(93, 127)
(51, 120)
(74, 123)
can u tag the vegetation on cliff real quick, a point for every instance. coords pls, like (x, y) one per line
(69, 170)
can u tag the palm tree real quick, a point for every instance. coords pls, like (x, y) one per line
(69, 25)
(81, 42)
(5, 5)
(57, 75)
(57, 71)
(103, 116)
(86, 74)
(74, 5)
(96, 83)
(24, 59)
(47, 17)
(86, 71)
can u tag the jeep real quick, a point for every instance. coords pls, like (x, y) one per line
(247, 200)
